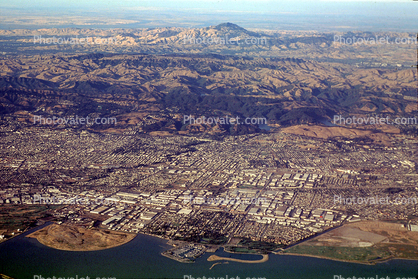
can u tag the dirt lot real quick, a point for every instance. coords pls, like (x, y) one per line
(366, 241)
(74, 238)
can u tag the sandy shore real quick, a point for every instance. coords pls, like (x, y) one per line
(217, 258)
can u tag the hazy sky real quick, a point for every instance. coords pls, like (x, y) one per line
(399, 14)
(221, 5)
(397, 8)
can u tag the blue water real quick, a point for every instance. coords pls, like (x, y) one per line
(25, 257)
(264, 127)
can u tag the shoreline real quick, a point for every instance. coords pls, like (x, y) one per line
(345, 261)
(217, 258)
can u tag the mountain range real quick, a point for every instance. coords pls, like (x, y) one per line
(137, 87)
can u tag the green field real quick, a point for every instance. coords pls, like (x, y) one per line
(362, 254)
(13, 217)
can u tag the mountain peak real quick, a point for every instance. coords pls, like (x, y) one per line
(229, 25)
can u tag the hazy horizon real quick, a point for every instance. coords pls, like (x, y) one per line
(275, 15)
